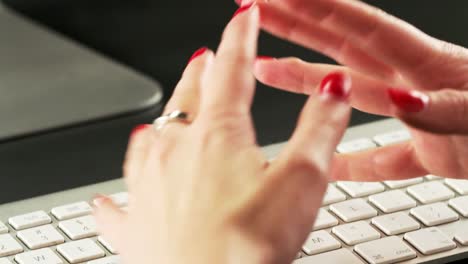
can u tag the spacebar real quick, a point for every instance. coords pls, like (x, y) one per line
(339, 256)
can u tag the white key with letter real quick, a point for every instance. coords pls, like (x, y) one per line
(9, 246)
(325, 220)
(356, 145)
(386, 250)
(460, 186)
(392, 137)
(79, 228)
(108, 260)
(107, 245)
(403, 183)
(40, 256)
(392, 201)
(355, 233)
(39, 237)
(353, 210)
(319, 242)
(5, 261)
(69, 211)
(460, 204)
(434, 214)
(30, 220)
(396, 223)
(3, 228)
(431, 192)
(80, 251)
(339, 256)
(361, 189)
(430, 241)
(333, 195)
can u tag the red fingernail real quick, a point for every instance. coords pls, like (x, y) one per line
(198, 53)
(242, 9)
(138, 129)
(408, 101)
(265, 58)
(337, 85)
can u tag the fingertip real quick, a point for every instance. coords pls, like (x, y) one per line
(336, 85)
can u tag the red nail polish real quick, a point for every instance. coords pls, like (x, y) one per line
(139, 128)
(265, 58)
(242, 9)
(337, 85)
(198, 53)
(408, 101)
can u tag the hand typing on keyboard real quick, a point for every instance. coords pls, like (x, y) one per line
(380, 52)
(203, 192)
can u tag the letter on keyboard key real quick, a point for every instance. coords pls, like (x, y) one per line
(108, 260)
(396, 223)
(9, 246)
(30, 220)
(460, 186)
(430, 241)
(333, 195)
(3, 228)
(392, 201)
(431, 192)
(434, 214)
(79, 228)
(319, 242)
(386, 250)
(41, 256)
(355, 233)
(80, 251)
(460, 204)
(361, 189)
(340, 256)
(403, 183)
(353, 210)
(356, 146)
(39, 237)
(5, 261)
(71, 210)
(325, 220)
(392, 138)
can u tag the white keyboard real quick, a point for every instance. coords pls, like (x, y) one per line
(412, 221)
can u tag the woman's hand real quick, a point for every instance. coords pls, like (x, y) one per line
(397, 71)
(203, 192)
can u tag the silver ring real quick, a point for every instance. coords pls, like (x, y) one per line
(174, 116)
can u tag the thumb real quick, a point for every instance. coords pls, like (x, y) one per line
(110, 220)
(441, 112)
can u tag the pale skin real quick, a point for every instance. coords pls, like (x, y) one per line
(204, 193)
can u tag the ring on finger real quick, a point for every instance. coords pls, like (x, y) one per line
(176, 116)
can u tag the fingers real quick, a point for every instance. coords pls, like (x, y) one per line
(110, 221)
(320, 128)
(230, 84)
(312, 35)
(141, 141)
(441, 112)
(298, 76)
(397, 162)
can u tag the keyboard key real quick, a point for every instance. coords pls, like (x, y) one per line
(356, 233)
(39, 237)
(339, 256)
(396, 223)
(431, 192)
(433, 178)
(80, 251)
(356, 145)
(79, 228)
(9, 246)
(353, 210)
(325, 220)
(361, 189)
(30, 220)
(333, 195)
(430, 241)
(386, 250)
(392, 201)
(319, 242)
(460, 204)
(41, 256)
(403, 183)
(107, 245)
(72, 210)
(119, 199)
(108, 260)
(457, 230)
(434, 214)
(3, 228)
(460, 186)
(392, 138)
(5, 261)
